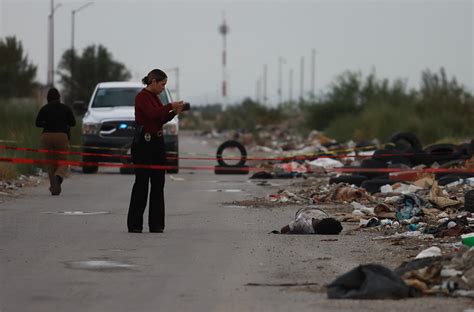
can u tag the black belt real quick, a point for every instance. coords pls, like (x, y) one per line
(149, 135)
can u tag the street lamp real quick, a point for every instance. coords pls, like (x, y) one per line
(73, 21)
(73, 17)
(50, 80)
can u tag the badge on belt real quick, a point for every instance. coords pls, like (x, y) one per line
(147, 137)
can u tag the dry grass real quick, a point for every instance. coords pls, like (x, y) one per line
(7, 172)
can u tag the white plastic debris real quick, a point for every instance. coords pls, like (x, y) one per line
(443, 220)
(387, 188)
(326, 163)
(363, 209)
(357, 206)
(358, 213)
(429, 252)
(451, 224)
(409, 234)
(392, 199)
(406, 188)
(449, 272)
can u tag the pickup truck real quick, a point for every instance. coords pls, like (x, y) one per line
(108, 125)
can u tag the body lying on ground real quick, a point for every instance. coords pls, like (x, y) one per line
(312, 220)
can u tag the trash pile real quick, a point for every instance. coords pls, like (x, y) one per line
(403, 153)
(430, 273)
(434, 210)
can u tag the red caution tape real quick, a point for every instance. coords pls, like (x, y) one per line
(124, 156)
(112, 165)
(162, 167)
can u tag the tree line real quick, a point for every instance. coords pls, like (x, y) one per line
(78, 74)
(354, 107)
(357, 107)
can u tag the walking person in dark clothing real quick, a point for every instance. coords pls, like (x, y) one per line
(56, 119)
(148, 148)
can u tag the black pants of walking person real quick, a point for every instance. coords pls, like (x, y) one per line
(148, 153)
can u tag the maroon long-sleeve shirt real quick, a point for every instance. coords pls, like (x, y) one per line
(150, 112)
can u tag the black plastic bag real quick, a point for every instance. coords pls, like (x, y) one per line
(370, 281)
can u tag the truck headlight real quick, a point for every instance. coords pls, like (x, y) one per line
(170, 129)
(90, 128)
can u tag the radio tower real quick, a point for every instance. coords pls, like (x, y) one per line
(223, 30)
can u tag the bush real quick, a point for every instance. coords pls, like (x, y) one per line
(18, 129)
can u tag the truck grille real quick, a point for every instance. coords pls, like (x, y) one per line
(118, 129)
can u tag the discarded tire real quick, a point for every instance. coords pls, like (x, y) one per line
(231, 144)
(466, 151)
(381, 155)
(401, 139)
(373, 164)
(444, 179)
(442, 153)
(395, 156)
(349, 179)
(449, 178)
(469, 201)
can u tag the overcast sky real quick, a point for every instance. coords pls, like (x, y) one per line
(397, 39)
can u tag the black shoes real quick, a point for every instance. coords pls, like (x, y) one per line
(55, 187)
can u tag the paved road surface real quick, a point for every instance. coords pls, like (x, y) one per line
(212, 256)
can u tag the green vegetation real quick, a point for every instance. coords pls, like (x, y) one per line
(79, 74)
(17, 75)
(358, 108)
(18, 129)
(18, 89)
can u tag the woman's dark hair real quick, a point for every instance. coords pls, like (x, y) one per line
(328, 226)
(53, 95)
(156, 74)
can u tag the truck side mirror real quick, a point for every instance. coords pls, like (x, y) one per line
(79, 107)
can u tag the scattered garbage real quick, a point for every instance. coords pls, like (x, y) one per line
(370, 281)
(430, 252)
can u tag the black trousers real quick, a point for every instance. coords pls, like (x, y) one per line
(148, 153)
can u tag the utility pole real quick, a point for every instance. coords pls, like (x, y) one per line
(281, 61)
(265, 71)
(50, 78)
(302, 78)
(313, 71)
(224, 30)
(73, 15)
(290, 91)
(258, 91)
(73, 52)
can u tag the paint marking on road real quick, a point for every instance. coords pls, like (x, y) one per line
(99, 265)
(77, 213)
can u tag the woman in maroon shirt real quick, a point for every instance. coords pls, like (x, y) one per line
(148, 148)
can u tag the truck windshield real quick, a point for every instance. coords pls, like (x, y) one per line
(111, 97)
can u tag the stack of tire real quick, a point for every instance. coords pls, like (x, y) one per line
(405, 149)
